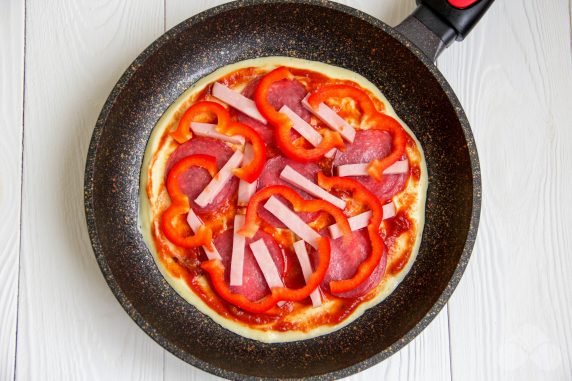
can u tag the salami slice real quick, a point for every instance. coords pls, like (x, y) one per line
(196, 179)
(289, 93)
(285, 92)
(271, 176)
(344, 261)
(254, 285)
(200, 146)
(367, 146)
(266, 132)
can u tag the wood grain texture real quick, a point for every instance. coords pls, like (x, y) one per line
(70, 325)
(427, 357)
(510, 317)
(11, 96)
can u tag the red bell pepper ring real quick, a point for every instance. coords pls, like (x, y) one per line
(170, 220)
(215, 269)
(283, 125)
(261, 96)
(252, 221)
(183, 131)
(252, 170)
(343, 91)
(386, 123)
(378, 249)
(374, 118)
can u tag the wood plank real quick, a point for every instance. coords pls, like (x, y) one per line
(427, 357)
(70, 325)
(11, 92)
(510, 317)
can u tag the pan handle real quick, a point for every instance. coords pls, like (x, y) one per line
(435, 24)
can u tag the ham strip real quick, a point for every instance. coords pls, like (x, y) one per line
(303, 128)
(219, 181)
(389, 211)
(292, 221)
(238, 101)
(208, 130)
(353, 170)
(246, 189)
(195, 223)
(245, 192)
(397, 168)
(237, 256)
(266, 264)
(304, 259)
(356, 222)
(331, 119)
(331, 153)
(306, 130)
(290, 175)
(254, 286)
(361, 220)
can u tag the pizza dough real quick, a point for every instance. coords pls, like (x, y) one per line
(293, 320)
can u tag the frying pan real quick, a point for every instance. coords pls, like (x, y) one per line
(400, 63)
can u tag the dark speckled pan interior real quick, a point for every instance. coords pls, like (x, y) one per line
(314, 30)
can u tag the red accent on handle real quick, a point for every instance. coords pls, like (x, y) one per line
(462, 4)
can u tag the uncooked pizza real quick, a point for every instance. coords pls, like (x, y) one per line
(283, 197)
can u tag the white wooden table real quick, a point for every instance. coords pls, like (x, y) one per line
(509, 319)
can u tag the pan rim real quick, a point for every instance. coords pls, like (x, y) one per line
(154, 47)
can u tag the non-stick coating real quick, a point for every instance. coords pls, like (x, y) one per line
(324, 32)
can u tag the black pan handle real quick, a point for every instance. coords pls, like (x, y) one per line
(435, 24)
